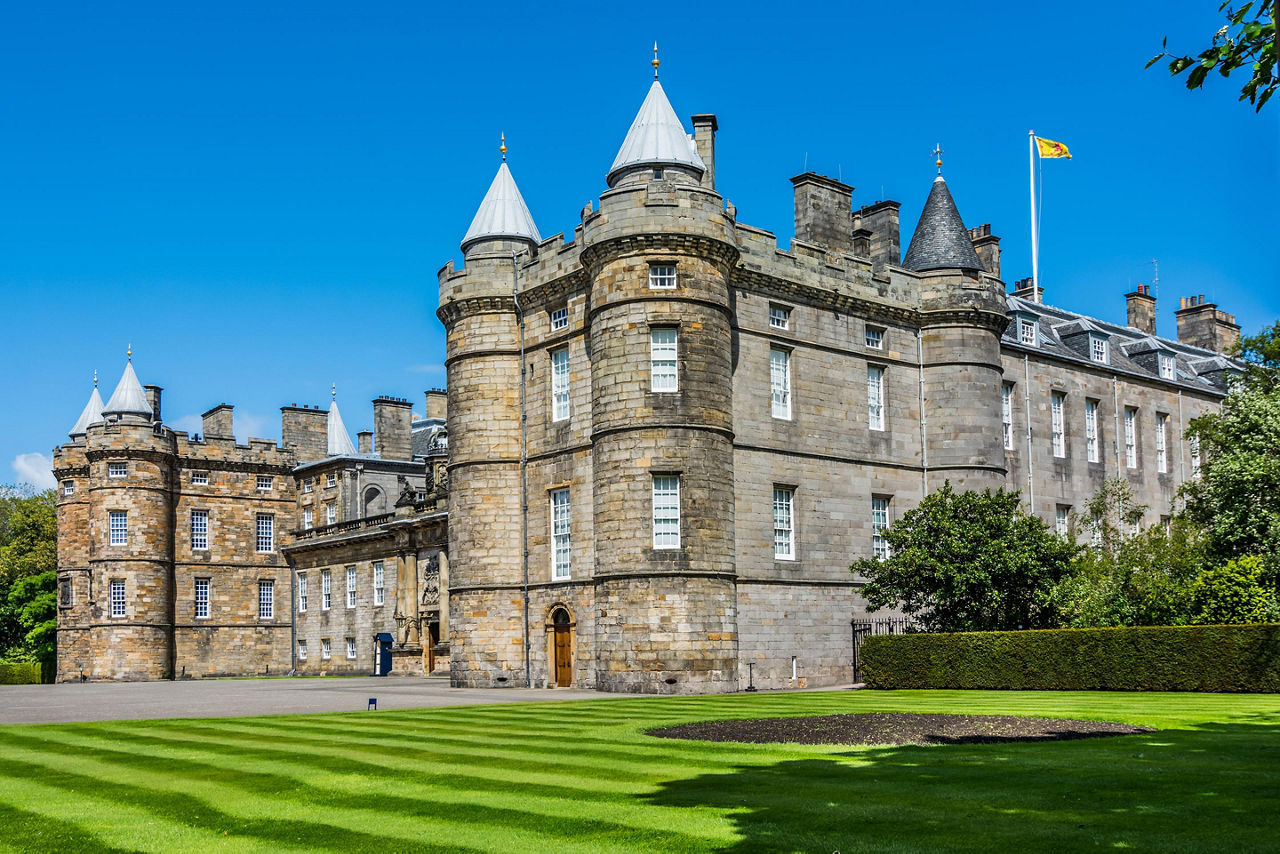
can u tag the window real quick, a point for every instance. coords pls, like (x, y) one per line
(331, 513)
(874, 337)
(560, 533)
(1095, 531)
(784, 546)
(64, 593)
(266, 533)
(1091, 429)
(266, 599)
(780, 382)
(1195, 456)
(657, 174)
(662, 359)
(118, 528)
(379, 583)
(666, 511)
(1006, 415)
(560, 384)
(875, 397)
(330, 480)
(1168, 368)
(68, 487)
(879, 522)
(302, 650)
(326, 591)
(1057, 404)
(662, 277)
(1131, 437)
(1098, 348)
(202, 598)
(302, 592)
(779, 317)
(199, 478)
(264, 482)
(308, 518)
(351, 587)
(117, 469)
(1027, 332)
(351, 647)
(308, 484)
(199, 529)
(560, 318)
(117, 599)
(1162, 453)
(326, 652)
(1062, 519)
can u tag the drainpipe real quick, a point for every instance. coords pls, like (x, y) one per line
(524, 467)
(293, 617)
(1182, 474)
(924, 421)
(1115, 413)
(1026, 396)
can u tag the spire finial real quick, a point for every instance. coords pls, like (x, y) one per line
(503, 146)
(129, 352)
(333, 390)
(937, 153)
(655, 60)
(95, 377)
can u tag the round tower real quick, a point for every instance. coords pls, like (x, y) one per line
(962, 309)
(658, 255)
(481, 318)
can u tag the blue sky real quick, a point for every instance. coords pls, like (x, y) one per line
(258, 196)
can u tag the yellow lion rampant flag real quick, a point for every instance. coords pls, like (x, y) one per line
(1049, 148)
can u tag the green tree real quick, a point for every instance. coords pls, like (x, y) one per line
(1232, 594)
(34, 602)
(28, 549)
(969, 561)
(1247, 40)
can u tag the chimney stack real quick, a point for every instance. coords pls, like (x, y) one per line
(877, 224)
(153, 400)
(392, 430)
(437, 404)
(217, 422)
(1203, 324)
(1140, 307)
(987, 245)
(824, 212)
(704, 136)
(364, 441)
(305, 431)
(1023, 289)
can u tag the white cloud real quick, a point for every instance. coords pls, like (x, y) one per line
(35, 469)
(187, 424)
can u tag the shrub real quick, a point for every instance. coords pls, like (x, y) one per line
(1232, 594)
(20, 673)
(1151, 658)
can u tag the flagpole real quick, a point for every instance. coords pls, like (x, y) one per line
(1035, 236)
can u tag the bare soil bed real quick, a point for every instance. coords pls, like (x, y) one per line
(897, 728)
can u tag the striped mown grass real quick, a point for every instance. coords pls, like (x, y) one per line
(582, 776)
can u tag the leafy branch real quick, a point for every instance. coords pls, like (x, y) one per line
(1242, 41)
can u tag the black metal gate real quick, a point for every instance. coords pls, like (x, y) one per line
(884, 626)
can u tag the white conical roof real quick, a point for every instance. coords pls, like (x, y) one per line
(656, 138)
(503, 213)
(339, 438)
(128, 398)
(92, 414)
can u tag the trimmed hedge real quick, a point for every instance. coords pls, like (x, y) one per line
(1152, 658)
(20, 673)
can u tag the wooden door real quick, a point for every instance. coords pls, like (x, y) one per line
(564, 650)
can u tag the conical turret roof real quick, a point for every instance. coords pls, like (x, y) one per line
(656, 138)
(339, 438)
(128, 398)
(940, 241)
(502, 214)
(92, 414)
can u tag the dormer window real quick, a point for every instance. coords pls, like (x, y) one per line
(1098, 350)
(662, 277)
(1168, 368)
(1027, 331)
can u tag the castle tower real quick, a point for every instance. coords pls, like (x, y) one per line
(657, 255)
(962, 307)
(483, 336)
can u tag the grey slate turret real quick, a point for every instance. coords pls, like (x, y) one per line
(941, 241)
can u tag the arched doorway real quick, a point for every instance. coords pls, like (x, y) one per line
(562, 647)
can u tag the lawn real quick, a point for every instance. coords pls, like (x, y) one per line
(582, 776)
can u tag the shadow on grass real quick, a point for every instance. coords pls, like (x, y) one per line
(1205, 789)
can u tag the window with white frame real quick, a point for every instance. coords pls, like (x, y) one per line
(560, 384)
(330, 480)
(199, 478)
(879, 522)
(1006, 414)
(561, 532)
(1091, 429)
(118, 528)
(379, 583)
(875, 397)
(1027, 331)
(784, 545)
(662, 359)
(264, 482)
(199, 529)
(117, 469)
(351, 647)
(1162, 452)
(302, 592)
(1057, 403)
(266, 599)
(666, 511)
(1062, 519)
(308, 484)
(308, 518)
(68, 487)
(266, 533)
(1168, 367)
(662, 277)
(1195, 456)
(779, 317)
(1098, 349)
(351, 587)
(873, 337)
(326, 650)
(302, 650)
(331, 513)
(1131, 437)
(202, 598)
(326, 590)
(560, 318)
(117, 598)
(780, 382)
